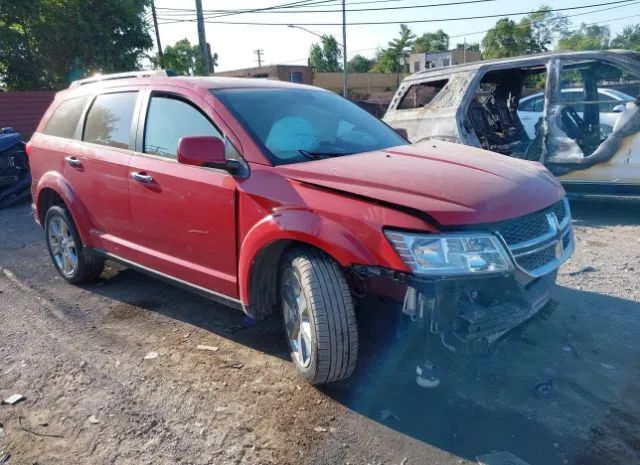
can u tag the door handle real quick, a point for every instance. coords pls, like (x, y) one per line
(72, 161)
(141, 177)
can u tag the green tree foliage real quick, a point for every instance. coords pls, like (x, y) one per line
(393, 58)
(532, 34)
(588, 37)
(628, 39)
(506, 39)
(46, 43)
(544, 24)
(360, 64)
(182, 57)
(325, 56)
(474, 46)
(431, 42)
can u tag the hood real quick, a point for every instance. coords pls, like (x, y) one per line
(452, 183)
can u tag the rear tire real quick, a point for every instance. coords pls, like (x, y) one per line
(72, 260)
(319, 316)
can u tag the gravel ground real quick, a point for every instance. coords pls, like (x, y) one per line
(82, 357)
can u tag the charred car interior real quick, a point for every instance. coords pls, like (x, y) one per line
(577, 113)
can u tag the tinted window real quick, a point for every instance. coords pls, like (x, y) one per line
(296, 125)
(538, 104)
(109, 119)
(170, 119)
(526, 105)
(64, 120)
(418, 95)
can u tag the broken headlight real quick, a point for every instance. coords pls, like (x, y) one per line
(451, 254)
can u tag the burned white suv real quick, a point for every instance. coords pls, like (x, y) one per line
(576, 112)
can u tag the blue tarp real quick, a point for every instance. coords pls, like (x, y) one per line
(9, 140)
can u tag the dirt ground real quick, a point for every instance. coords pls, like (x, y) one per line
(563, 390)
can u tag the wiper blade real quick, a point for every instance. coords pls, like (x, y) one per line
(320, 155)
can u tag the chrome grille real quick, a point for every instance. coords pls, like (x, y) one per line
(542, 241)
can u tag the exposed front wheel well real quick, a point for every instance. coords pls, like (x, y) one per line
(264, 276)
(47, 199)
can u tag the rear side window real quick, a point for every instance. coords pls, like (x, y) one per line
(419, 95)
(168, 120)
(64, 120)
(109, 119)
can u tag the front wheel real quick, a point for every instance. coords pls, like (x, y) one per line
(319, 317)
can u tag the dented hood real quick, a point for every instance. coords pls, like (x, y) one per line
(452, 183)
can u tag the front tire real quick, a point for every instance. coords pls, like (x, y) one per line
(71, 259)
(319, 317)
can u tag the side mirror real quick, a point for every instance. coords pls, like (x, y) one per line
(205, 151)
(403, 132)
(619, 108)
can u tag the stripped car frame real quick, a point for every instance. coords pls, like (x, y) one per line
(477, 105)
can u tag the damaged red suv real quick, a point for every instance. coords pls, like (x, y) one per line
(270, 196)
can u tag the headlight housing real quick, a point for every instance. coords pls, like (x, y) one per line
(451, 254)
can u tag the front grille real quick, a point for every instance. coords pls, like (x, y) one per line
(541, 241)
(538, 259)
(525, 229)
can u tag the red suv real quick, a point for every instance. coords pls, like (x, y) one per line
(266, 195)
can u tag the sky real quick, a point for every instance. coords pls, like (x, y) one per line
(235, 44)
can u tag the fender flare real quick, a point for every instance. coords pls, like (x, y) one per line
(300, 226)
(54, 181)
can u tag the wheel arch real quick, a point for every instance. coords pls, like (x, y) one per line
(266, 243)
(53, 190)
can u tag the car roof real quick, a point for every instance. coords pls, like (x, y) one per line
(527, 60)
(198, 82)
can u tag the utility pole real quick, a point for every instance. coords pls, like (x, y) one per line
(345, 92)
(259, 52)
(155, 26)
(204, 59)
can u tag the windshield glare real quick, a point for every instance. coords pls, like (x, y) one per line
(298, 124)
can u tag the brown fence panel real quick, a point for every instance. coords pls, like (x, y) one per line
(23, 110)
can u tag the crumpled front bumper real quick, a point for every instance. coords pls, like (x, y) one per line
(466, 312)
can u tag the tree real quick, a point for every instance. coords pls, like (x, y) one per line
(431, 42)
(401, 47)
(325, 56)
(46, 43)
(473, 46)
(506, 39)
(628, 39)
(182, 57)
(544, 24)
(360, 64)
(588, 37)
(532, 34)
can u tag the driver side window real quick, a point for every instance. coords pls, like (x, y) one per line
(169, 119)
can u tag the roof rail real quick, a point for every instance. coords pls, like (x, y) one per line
(112, 77)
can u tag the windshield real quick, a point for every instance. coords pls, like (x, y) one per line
(296, 125)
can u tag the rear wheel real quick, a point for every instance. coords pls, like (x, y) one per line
(319, 317)
(71, 259)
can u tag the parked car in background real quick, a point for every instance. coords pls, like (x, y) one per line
(15, 177)
(269, 195)
(590, 138)
(611, 103)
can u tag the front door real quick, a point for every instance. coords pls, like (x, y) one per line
(184, 217)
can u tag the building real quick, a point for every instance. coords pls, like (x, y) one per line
(299, 74)
(422, 61)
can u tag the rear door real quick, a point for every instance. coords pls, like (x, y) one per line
(184, 217)
(97, 168)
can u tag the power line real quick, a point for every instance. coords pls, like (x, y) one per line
(406, 7)
(412, 21)
(297, 60)
(311, 4)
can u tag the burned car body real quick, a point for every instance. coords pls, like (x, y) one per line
(582, 134)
